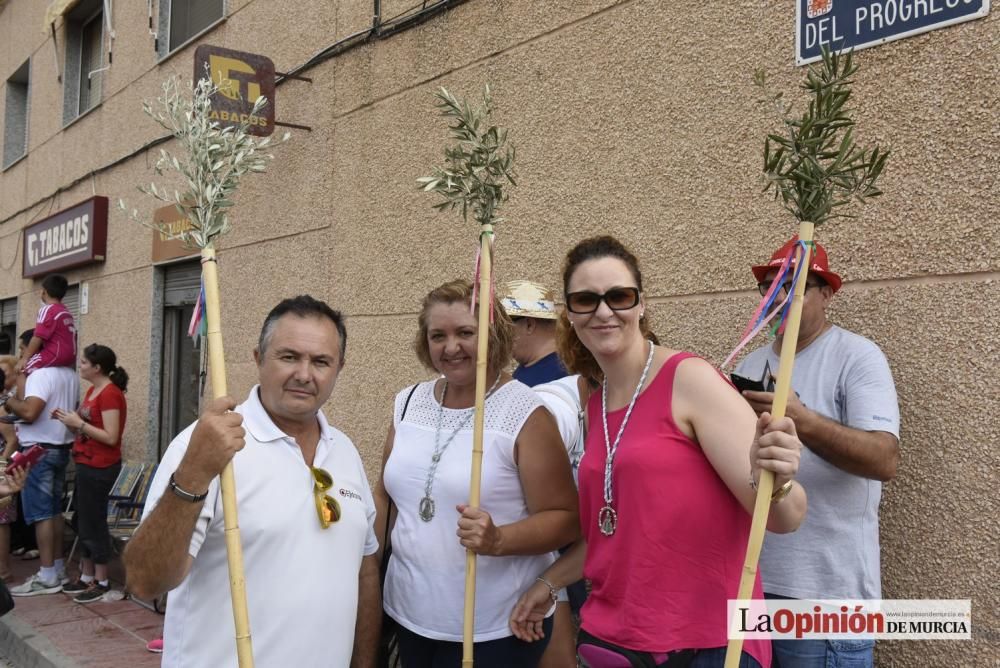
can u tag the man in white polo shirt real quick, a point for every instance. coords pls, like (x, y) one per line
(308, 549)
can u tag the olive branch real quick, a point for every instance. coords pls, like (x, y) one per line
(815, 167)
(479, 168)
(213, 160)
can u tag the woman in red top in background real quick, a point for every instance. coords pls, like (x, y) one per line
(97, 451)
(665, 523)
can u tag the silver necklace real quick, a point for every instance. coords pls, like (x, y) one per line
(607, 519)
(426, 508)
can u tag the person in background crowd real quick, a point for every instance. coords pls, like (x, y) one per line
(531, 308)
(98, 424)
(47, 390)
(8, 443)
(22, 536)
(53, 343)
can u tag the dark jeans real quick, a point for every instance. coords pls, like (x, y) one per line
(416, 651)
(91, 499)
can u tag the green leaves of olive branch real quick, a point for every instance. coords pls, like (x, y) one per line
(479, 168)
(211, 159)
(814, 165)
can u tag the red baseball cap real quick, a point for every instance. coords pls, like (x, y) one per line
(819, 264)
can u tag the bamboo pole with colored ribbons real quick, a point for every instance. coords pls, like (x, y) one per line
(765, 486)
(227, 481)
(814, 167)
(482, 368)
(474, 179)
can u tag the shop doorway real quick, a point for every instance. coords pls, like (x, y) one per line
(182, 378)
(8, 326)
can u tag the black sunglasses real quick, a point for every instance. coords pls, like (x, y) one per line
(786, 287)
(617, 299)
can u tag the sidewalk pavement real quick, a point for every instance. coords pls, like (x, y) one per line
(51, 631)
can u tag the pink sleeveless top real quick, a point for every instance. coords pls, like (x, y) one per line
(661, 581)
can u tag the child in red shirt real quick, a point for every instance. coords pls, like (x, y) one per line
(54, 340)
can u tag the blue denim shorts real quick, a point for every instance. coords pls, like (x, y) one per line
(41, 497)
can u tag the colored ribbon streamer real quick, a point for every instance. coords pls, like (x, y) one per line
(477, 269)
(198, 326)
(764, 312)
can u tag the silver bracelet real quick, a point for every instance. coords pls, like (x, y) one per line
(553, 592)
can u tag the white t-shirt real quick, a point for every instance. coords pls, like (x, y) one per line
(835, 552)
(425, 580)
(301, 579)
(562, 399)
(58, 387)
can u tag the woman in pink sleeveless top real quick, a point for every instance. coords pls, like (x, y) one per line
(664, 523)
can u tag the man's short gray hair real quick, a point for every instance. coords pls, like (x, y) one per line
(303, 306)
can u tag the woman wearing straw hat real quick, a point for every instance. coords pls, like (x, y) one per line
(665, 482)
(528, 504)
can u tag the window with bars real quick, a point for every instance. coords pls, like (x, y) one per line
(84, 70)
(91, 53)
(181, 20)
(15, 125)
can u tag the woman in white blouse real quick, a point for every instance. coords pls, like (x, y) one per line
(528, 505)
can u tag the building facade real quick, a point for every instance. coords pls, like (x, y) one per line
(632, 117)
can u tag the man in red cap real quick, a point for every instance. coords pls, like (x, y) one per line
(846, 414)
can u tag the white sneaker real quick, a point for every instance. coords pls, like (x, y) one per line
(63, 578)
(34, 586)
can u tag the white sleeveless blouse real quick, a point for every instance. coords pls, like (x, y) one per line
(425, 580)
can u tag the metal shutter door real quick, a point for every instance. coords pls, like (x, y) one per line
(181, 284)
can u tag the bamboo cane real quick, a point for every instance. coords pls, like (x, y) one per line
(234, 549)
(485, 303)
(765, 486)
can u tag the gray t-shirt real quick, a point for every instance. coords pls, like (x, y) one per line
(835, 552)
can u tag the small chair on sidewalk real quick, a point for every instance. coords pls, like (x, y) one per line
(126, 521)
(129, 511)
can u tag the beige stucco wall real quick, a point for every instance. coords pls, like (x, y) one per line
(636, 118)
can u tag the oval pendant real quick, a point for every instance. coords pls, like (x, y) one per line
(426, 509)
(607, 520)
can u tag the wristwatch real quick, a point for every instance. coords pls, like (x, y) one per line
(184, 494)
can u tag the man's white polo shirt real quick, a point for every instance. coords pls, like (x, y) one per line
(302, 580)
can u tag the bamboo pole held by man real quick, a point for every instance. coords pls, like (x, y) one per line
(227, 481)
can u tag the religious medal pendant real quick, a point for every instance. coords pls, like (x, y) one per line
(427, 509)
(607, 520)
